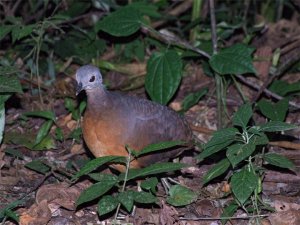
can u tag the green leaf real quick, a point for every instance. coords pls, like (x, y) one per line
(243, 183)
(220, 140)
(274, 126)
(95, 191)
(42, 114)
(157, 147)
(283, 88)
(46, 143)
(217, 170)
(4, 30)
(10, 206)
(242, 116)
(163, 75)
(12, 215)
(14, 152)
(69, 104)
(103, 177)
(122, 22)
(156, 168)
(76, 134)
(126, 199)
(150, 184)
(276, 112)
(229, 211)
(43, 131)
(10, 83)
(24, 31)
(146, 9)
(238, 152)
(259, 139)
(3, 98)
(193, 98)
(144, 197)
(181, 196)
(59, 134)
(233, 60)
(2, 121)
(278, 160)
(38, 166)
(107, 204)
(95, 163)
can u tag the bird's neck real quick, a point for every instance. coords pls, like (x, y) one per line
(97, 99)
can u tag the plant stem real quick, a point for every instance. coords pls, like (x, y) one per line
(125, 180)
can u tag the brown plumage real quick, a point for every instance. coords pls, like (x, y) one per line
(113, 120)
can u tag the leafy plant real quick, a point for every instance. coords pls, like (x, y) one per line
(105, 183)
(243, 145)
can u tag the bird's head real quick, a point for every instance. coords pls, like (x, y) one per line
(88, 77)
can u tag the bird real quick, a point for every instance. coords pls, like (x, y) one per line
(113, 120)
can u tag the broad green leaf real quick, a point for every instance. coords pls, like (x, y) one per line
(38, 166)
(14, 152)
(217, 170)
(274, 126)
(283, 88)
(259, 139)
(181, 196)
(24, 31)
(278, 160)
(26, 139)
(193, 98)
(243, 183)
(95, 163)
(220, 140)
(103, 177)
(69, 104)
(157, 147)
(126, 199)
(238, 152)
(95, 191)
(229, 211)
(233, 60)
(46, 143)
(123, 22)
(43, 131)
(2, 121)
(156, 168)
(144, 197)
(275, 112)
(163, 77)
(8, 70)
(150, 184)
(76, 8)
(9, 83)
(242, 116)
(107, 204)
(146, 9)
(4, 30)
(42, 114)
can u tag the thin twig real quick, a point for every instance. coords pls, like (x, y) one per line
(224, 218)
(266, 91)
(280, 70)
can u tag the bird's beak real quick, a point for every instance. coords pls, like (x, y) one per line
(79, 88)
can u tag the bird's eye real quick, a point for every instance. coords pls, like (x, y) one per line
(92, 79)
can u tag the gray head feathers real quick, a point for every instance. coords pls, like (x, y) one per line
(88, 77)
